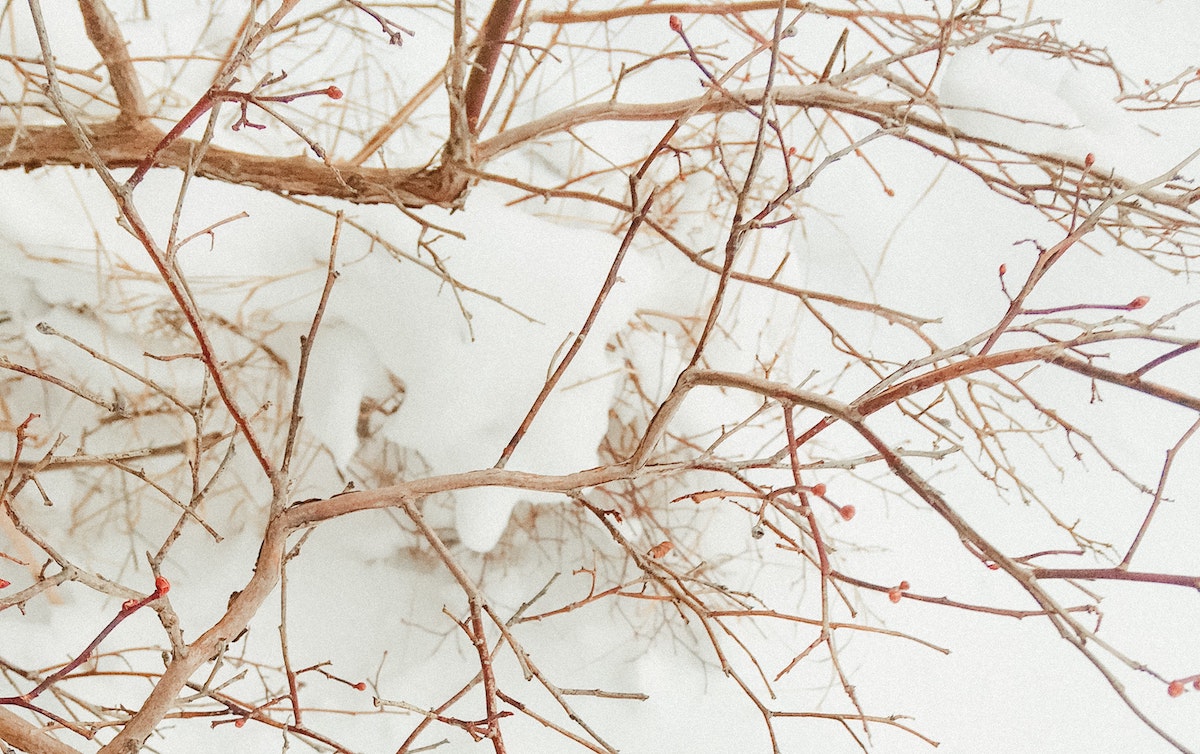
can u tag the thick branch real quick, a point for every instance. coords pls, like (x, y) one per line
(718, 9)
(106, 37)
(491, 39)
(28, 737)
(125, 145)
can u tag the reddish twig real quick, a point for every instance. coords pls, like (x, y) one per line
(161, 587)
(1172, 454)
(491, 40)
(395, 31)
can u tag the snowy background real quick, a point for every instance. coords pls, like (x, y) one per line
(368, 598)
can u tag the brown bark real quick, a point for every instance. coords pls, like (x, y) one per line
(126, 144)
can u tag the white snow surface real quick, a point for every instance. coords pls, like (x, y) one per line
(471, 368)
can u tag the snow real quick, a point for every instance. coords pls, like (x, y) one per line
(1048, 107)
(455, 372)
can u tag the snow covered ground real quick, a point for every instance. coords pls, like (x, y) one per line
(368, 598)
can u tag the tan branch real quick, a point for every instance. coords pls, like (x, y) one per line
(820, 96)
(25, 736)
(125, 145)
(718, 9)
(106, 37)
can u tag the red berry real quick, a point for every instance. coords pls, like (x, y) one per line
(360, 686)
(333, 93)
(818, 489)
(1089, 160)
(904, 585)
(1175, 688)
(847, 512)
(1138, 302)
(895, 595)
(161, 586)
(676, 24)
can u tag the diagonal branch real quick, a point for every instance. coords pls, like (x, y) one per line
(491, 40)
(106, 37)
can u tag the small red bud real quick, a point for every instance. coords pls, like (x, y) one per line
(847, 512)
(676, 24)
(1138, 302)
(818, 489)
(1089, 160)
(895, 595)
(4, 583)
(360, 686)
(1196, 684)
(1003, 269)
(890, 192)
(993, 566)
(333, 93)
(161, 586)
(128, 604)
(1175, 688)
(241, 721)
(791, 151)
(904, 585)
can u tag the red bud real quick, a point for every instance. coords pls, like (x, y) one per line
(676, 24)
(333, 93)
(847, 512)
